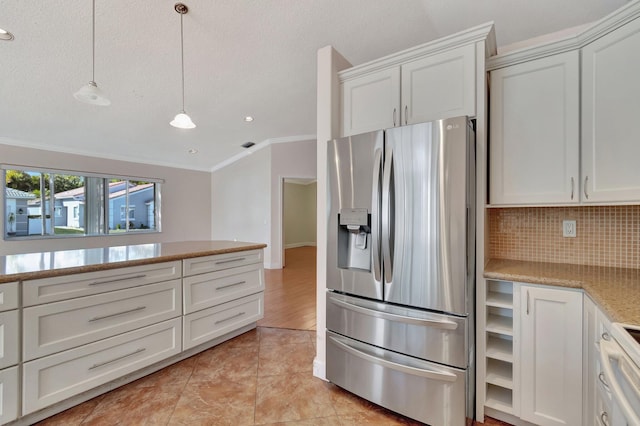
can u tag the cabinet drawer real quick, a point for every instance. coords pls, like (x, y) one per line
(8, 296)
(65, 287)
(202, 265)
(208, 324)
(8, 394)
(63, 325)
(207, 290)
(57, 377)
(9, 340)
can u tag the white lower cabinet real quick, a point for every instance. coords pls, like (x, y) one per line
(56, 377)
(207, 324)
(9, 338)
(551, 355)
(83, 331)
(532, 353)
(91, 318)
(8, 394)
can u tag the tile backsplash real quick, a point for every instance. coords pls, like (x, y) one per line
(606, 235)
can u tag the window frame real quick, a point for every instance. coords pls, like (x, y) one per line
(101, 220)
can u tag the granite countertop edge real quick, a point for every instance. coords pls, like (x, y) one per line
(172, 256)
(615, 290)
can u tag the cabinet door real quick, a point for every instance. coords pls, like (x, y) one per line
(8, 394)
(589, 356)
(610, 109)
(534, 130)
(439, 86)
(371, 102)
(551, 356)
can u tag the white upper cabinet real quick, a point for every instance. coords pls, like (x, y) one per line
(428, 82)
(534, 128)
(371, 102)
(439, 86)
(610, 109)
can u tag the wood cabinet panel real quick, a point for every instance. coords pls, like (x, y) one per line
(45, 290)
(207, 290)
(56, 377)
(535, 132)
(63, 325)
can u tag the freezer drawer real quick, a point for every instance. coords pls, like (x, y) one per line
(434, 337)
(424, 391)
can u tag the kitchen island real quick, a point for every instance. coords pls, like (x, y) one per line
(78, 323)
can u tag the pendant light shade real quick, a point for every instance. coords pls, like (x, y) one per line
(182, 120)
(91, 93)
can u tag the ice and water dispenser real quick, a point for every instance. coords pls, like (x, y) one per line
(354, 239)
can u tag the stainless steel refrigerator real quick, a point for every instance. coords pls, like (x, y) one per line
(400, 269)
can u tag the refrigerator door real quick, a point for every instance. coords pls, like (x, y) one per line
(431, 393)
(424, 215)
(428, 335)
(353, 234)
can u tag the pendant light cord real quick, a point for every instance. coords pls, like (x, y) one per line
(93, 42)
(181, 57)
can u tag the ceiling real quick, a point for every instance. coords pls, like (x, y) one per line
(242, 57)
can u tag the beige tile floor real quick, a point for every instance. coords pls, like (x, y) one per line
(263, 377)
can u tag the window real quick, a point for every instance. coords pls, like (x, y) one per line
(48, 203)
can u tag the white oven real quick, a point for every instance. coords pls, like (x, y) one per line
(620, 362)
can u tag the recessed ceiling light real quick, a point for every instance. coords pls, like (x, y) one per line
(5, 35)
(193, 151)
(248, 119)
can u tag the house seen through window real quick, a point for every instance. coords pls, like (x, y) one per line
(44, 203)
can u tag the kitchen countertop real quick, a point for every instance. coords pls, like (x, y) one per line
(615, 290)
(19, 267)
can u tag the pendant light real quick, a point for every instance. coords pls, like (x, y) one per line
(182, 120)
(91, 93)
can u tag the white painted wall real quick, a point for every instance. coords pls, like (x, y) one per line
(299, 214)
(247, 194)
(186, 199)
(288, 160)
(329, 62)
(240, 200)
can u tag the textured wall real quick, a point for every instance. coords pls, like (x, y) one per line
(606, 235)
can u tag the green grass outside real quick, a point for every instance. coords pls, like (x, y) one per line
(64, 231)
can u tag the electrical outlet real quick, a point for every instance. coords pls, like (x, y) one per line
(569, 228)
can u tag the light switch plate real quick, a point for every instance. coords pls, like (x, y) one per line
(569, 228)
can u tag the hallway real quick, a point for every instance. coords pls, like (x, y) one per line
(290, 292)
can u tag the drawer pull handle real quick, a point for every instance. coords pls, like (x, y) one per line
(604, 418)
(133, 277)
(237, 259)
(571, 188)
(239, 314)
(605, 336)
(101, 364)
(586, 194)
(222, 287)
(139, 308)
(603, 381)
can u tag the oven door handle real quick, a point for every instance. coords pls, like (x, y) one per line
(429, 374)
(611, 351)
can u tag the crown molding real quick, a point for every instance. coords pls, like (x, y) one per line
(462, 38)
(609, 23)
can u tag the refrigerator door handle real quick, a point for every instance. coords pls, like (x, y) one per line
(375, 210)
(429, 374)
(386, 218)
(443, 324)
